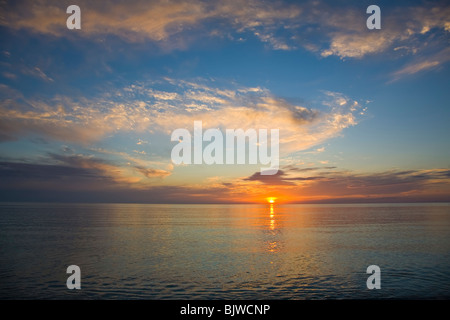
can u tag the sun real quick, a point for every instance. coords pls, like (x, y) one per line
(271, 199)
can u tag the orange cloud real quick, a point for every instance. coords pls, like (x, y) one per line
(89, 120)
(162, 21)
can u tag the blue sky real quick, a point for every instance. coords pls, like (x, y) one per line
(94, 108)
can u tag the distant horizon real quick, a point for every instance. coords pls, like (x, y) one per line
(229, 203)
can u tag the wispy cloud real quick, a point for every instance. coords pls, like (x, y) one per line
(153, 173)
(404, 27)
(38, 73)
(140, 20)
(328, 29)
(423, 64)
(142, 109)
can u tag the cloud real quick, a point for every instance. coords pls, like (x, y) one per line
(422, 64)
(153, 173)
(84, 179)
(329, 29)
(37, 72)
(356, 45)
(134, 20)
(414, 68)
(50, 176)
(136, 108)
(292, 168)
(276, 179)
(326, 184)
(117, 174)
(141, 20)
(403, 27)
(280, 178)
(80, 170)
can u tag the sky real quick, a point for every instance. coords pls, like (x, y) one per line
(86, 115)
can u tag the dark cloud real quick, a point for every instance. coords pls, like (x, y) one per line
(301, 115)
(352, 180)
(275, 179)
(391, 178)
(157, 194)
(58, 172)
(407, 184)
(26, 182)
(296, 169)
(153, 173)
(82, 179)
(283, 178)
(46, 172)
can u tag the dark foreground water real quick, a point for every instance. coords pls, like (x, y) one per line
(131, 251)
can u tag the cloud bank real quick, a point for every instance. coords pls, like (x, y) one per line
(328, 29)
(93, 180)
(141, 108)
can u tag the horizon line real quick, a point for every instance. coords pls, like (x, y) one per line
(225, 203)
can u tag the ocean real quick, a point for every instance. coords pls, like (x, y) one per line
(226, 252)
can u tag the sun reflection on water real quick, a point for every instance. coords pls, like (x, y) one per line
(272, 218)
(273, 243)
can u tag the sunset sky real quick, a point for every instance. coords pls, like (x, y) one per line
(86, 115)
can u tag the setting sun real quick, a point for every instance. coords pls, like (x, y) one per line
(271, 199)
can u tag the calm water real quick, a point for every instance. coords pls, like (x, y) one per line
(129, 251)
